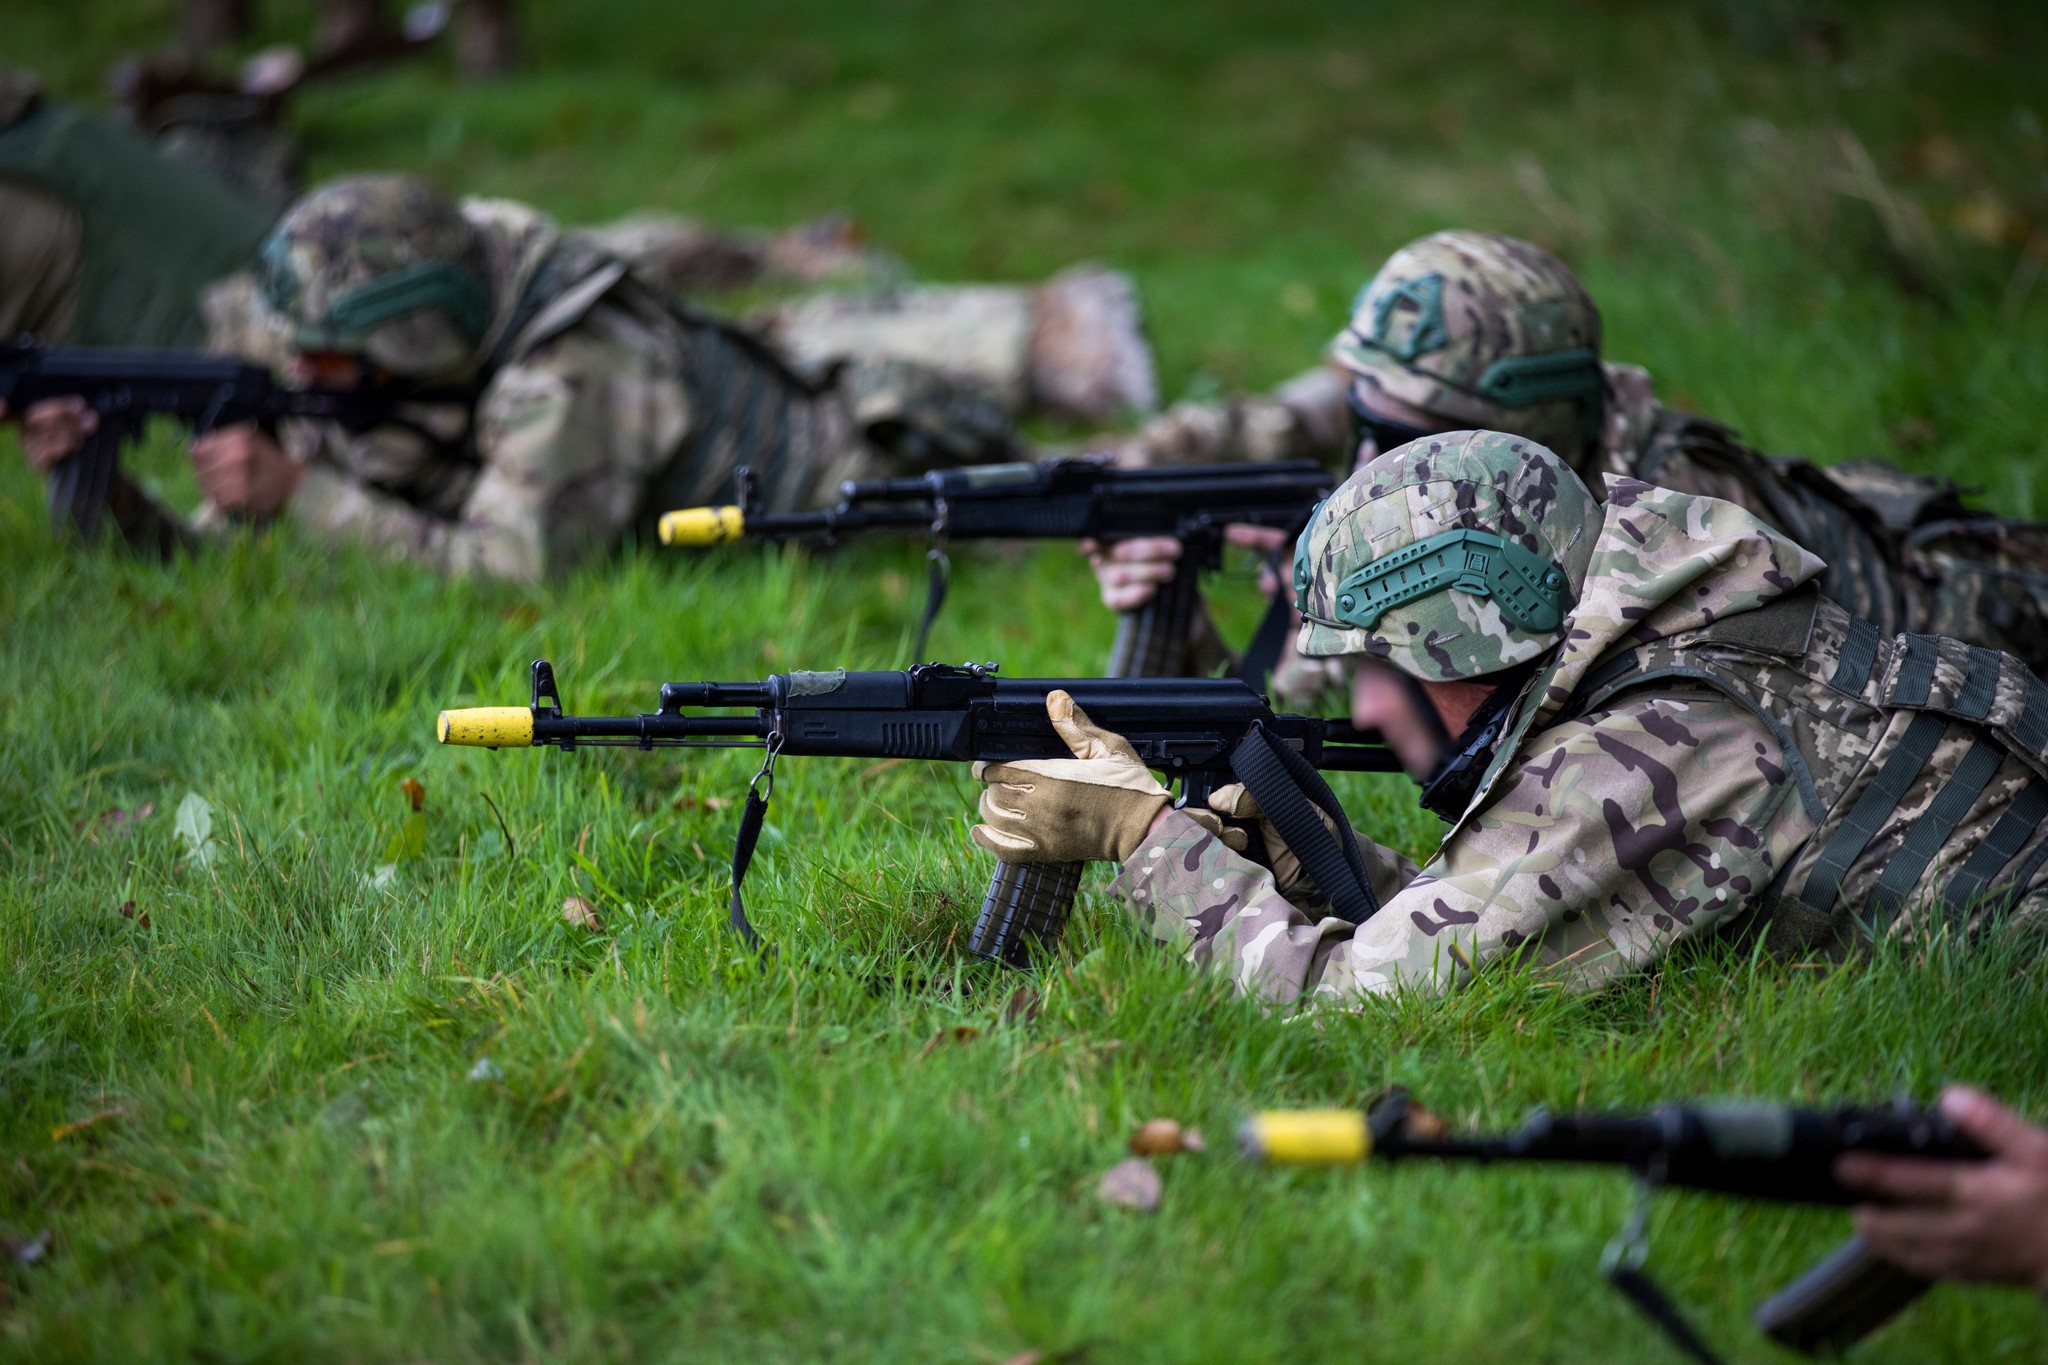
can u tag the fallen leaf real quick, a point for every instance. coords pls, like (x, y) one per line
(1164, 1137)
(128, 911)
(411, 839)
(27, 1250)
(115, 820)
(582, 914)
(701, 803)
(485, 1070)
(1023, 1005)
(415, 792)
(959, 1033)
(1131, 1183)
(194, 825)
(65, 1130)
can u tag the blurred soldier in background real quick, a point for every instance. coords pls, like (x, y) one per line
(596, 400)
(104, 240)
(1472, 329)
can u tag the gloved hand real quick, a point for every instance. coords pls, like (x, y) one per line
(1096, 806)
(1237, 803)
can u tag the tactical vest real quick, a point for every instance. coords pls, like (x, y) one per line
(1922, 761)
(747, 406)
(1799, 499)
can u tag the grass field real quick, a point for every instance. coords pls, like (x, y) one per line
(329, 1084)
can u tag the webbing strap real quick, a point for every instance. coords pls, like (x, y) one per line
(1980, 684)
(1999, 848)
(1290, 792)
(1916, 671)
(1932, 830)
(1267, 641)
(1859, 652)
(2032, 730)
(1867, 816)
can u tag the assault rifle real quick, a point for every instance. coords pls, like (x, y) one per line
(1201, 731)
(1748, 1150)
(1063, 499)
(125, 386)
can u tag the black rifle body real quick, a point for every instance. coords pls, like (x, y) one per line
(125, 386)
(1076, 498)
(1746, 1150)
(1187, 728)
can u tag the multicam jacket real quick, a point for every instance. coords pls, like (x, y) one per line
(605, 402)
(1715, 747)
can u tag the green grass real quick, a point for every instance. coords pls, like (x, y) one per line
(687, 1154)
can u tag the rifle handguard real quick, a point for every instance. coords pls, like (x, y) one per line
(700, 528)
(488, 727)
(1306, 1137)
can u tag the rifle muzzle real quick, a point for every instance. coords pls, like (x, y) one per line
(488, 727)
(1306, 1137)
(701, 527)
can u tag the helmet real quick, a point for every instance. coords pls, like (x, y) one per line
(1484, 331)
(1452, 557)
(380, 265)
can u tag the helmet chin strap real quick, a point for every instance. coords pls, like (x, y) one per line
(1461, 762)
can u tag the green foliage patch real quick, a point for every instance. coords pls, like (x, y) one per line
(292, 1077)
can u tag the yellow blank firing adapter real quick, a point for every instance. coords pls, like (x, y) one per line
(701, 527)
(488, 727)
(1306, 1137)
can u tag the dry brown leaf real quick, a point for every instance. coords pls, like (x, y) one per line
(65, 1130)
(115, 820)
(1164, 1137)
(415, 792)
(581, 913)
(1132, 1183)
(959, 1033)
(700, 803)
(1022, 1007)
(128, 911)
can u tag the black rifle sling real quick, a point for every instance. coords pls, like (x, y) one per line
(1653, 1303)
(1267, 641)
(742, 857)
(939, 577)
(1291, 793)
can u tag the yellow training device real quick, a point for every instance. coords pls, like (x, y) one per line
(488, 727)
(701, 527)
(1307, 1137)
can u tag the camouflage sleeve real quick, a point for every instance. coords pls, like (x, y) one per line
(1189, 892)
(1304, 419)
(569, 438)
(1613, 837)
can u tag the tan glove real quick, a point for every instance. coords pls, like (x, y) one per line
(1096, 806)
(1237, 803)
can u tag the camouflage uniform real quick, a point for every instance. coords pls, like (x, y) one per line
(1709, 746)
(1454, 308)
(600, 400)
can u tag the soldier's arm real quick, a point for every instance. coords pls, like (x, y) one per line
(1612, 838)
(569, 439)
(1303, 419)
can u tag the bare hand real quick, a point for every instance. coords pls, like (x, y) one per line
(1264, 539)
(1129, 572)
(54, 429)
(1953, 1220)
(242, 470)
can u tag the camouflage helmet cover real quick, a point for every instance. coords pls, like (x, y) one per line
(1483, 331)
(1452, 557)
(369, 255)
